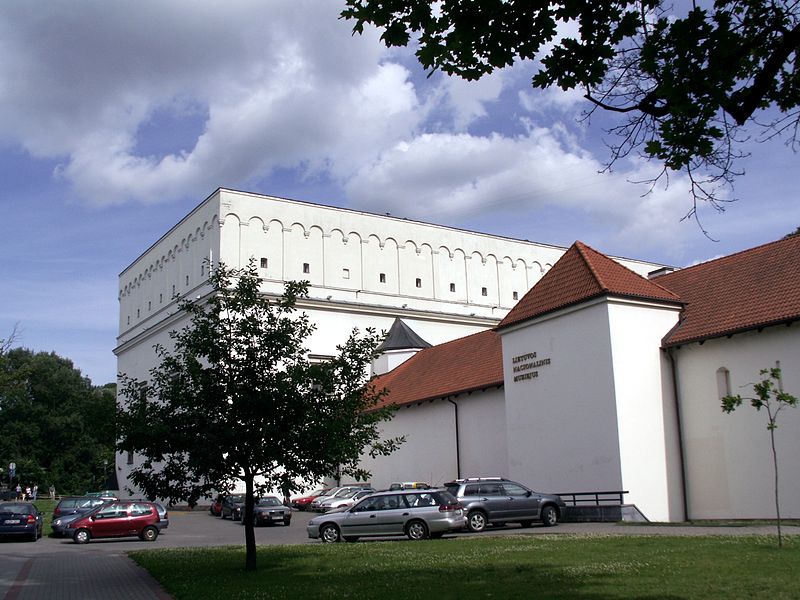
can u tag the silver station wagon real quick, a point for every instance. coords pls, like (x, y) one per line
(419, 514)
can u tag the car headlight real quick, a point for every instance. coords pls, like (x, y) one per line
(57, 522)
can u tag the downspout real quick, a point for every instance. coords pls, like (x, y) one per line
(679, 417)
(458, 445)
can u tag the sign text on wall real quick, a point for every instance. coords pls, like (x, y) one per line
(525, 366)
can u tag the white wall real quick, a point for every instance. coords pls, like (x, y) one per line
(646, 414)
(429, 452)
(562, 425)
(728, 456)
(482, 433)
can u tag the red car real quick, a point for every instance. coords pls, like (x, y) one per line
(117, 519)
(304, 502)
(216, 506)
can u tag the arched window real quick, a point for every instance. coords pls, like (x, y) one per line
(723, 382)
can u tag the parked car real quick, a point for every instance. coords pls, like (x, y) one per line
(216, 505)
(269, 510)
(123, 518)
(497, 500)
(303, 502)
(69, 509)
(341, 503)
(20, 519)
(418, 514)
(337, 492)
(163, 513)
(327, 503)
(232, 507)
(105, 494)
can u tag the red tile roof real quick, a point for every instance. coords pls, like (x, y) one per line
(580, 274)
(470, 363)
(743, 291)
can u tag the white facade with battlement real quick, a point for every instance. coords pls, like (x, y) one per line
(364, 271)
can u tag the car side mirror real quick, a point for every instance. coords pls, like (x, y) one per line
(528, 493)
(94, 517)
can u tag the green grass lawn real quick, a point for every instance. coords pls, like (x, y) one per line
(541, 566)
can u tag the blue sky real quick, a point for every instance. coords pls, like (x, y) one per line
(117, 118)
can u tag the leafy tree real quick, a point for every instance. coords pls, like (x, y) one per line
(56, 426)
(238, 400)
(684, 83)
(770, 396)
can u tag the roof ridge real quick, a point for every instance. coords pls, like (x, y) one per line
(601, 281)
(730, 256)
(581, 248)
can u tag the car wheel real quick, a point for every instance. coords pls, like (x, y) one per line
(82, 536)
(417, 530)
(329, 533)
(476, 521)
(149, 534)
(549, 516)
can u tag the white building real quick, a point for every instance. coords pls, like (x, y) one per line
(364, 271)
(600, 379)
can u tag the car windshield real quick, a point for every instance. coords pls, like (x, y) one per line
(269, 501)
(452, 488)
(236, 499)
(24, 509)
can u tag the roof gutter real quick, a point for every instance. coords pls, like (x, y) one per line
(458, 444)
(679, 418)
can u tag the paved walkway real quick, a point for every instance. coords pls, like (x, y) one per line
(88, 576)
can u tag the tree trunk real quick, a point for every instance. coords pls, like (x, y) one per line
(777, 502)
(247, 519)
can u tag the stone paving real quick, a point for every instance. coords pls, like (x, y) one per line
(69, 576)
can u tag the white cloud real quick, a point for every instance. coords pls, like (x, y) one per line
(447, 177)
(283, 84)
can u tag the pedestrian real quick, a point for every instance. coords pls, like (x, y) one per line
(19, 492)
(52, 492)
(27, 492)
(34, 491)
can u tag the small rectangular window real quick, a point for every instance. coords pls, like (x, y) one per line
(345, 273)
(187, 280)
(130, 457)
(484, 291)
(382, 277)
(202, 270)
(149, 305)
(515, 295)
(419, 282)
(129, 319)
(137, 313)
(161, 298)
(173, 289)
(264, 263)
(306, 268)
(452, 287)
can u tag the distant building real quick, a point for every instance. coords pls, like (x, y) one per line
(600, 379)
(365, 270)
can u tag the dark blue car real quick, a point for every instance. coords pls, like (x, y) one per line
(20, 519)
